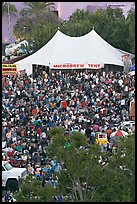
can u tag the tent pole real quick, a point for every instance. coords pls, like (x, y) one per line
(50, 70)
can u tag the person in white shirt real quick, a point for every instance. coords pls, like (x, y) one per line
(120, 82)
(24, 157)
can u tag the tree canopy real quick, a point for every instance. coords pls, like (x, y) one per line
(8, 7)
(38, 23)
(83, 177)
(36, 8)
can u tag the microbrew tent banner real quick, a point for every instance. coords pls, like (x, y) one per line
(62, 51)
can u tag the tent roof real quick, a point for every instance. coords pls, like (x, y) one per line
(89, 48)
(124, 52)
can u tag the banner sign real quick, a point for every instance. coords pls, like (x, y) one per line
(9, 69)
(76, 66)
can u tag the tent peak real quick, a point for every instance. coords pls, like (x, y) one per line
(93, 28)
(58, 28)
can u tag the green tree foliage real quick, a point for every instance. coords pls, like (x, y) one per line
(78, 24)
(83, 166)
(12, 8)
(78, 139)
(36, 27)
(37, 8)
(117, 30)
(80, 164)
(83, 178)
(23, 28)
(120, 174)
(39, 27)
(43, 34)
(110, 24)
(32, 191)
(131, 25)
(115, 14)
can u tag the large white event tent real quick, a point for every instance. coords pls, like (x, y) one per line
(64, 52)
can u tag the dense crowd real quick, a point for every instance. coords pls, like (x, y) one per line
(77, 100)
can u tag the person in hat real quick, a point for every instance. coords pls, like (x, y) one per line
(30, 169)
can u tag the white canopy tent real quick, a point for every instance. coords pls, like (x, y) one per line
(62, 51)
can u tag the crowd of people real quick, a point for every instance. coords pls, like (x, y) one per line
(76, 100)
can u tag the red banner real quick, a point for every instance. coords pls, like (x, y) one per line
(76, 66)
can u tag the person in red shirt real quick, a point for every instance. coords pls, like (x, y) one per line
(104, 111)
(84, 103)
(6, 83)
(9, 124)
(35, 111)
(22, 133)
(64, 105)
(109, 131)
(10, 92)
(38, 131)
(32, 126)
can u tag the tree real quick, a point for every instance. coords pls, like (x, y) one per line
(103, 183)
(78, 24)
(23, 28)
(117, 29)
(120, 174)
(83, 178)
(131, 25)
(35, 192)
(8, 7)
(39, 28)
(115, 14)
(37, 8)
(110, 24)
(43, 33)
(81, 165)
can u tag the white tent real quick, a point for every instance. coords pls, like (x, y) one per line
(62, 51)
